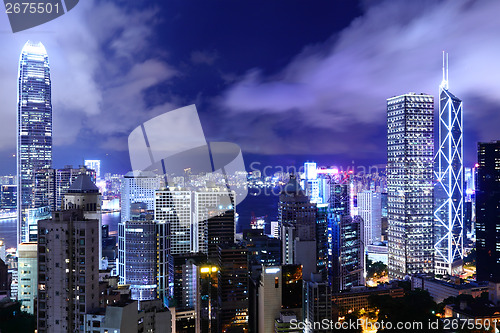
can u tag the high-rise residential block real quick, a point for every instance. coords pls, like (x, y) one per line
(84, 195)
(68, 271)
(34, 127)
(449, 187)
(410, 154)
(27, 267)
(488, 212)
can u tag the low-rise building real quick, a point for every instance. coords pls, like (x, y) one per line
(357, 298)
(441, 289)
(125, 317)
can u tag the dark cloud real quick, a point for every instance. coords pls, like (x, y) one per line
(102, 63)
(395, 47)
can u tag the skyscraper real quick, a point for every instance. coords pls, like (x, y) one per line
(232, 288)
(348, 252)
(144, 260)
(214, 220)
(369, 208)
(94, 165)
(449, 188)
(34, 126)
(488, 212)
(83, 194)
(68, 270)
(139, 186)
(410, 154)
(174, 206)
(297, 218)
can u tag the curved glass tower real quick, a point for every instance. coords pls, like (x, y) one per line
(449, 187)
(34, 128)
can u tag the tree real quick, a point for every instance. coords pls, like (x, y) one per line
(416, 306)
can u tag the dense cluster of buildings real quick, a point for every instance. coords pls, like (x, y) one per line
(177, 264)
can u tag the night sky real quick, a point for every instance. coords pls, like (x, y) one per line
(288, 81)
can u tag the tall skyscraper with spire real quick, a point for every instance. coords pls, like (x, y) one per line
(449, 186)
(34, 127)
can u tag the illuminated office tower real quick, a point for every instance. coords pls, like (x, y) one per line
(488, 212)
(28, 276)
(8, 196)
(140, 258)
(138, 186)
(312, 182)
(316, 182)
(144, 260)
(214, 220)
(34, 127)
(174, 207)
(410, 154)
(68, 270)
(94, 165)
(347, 265)
(370, 210)
(449, 187)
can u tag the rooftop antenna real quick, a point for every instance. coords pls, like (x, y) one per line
(447, 70)
(444, 83)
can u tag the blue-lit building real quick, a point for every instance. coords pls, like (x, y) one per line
(34, 127)
(449, 187)
(144, 259)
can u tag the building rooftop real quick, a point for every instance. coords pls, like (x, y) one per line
(456, 285)
(83, 184)
(292, 187)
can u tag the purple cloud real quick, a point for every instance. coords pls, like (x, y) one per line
(394, 48)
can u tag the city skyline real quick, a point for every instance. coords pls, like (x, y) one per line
(201, 188)
(221, 79)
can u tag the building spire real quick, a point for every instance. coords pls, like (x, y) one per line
(444, 83)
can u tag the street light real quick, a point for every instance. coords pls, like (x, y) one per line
(209, 270)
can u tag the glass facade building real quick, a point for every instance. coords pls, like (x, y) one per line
(449, 187)
(410, 154)
(34, 126)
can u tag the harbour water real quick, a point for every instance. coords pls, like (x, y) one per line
(259, 205)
